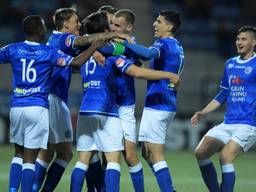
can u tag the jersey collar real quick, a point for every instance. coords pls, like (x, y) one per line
(31, 42)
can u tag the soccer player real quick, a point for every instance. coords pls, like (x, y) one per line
(96, 171)
(67, 39)
(160, 106)
(123, 22)
(237, 133)
(32, 64)
(99, 128)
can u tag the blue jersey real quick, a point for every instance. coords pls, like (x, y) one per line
(161, 94)
(100, 87)
(126, 90)
(238, 84)
(32, 64)
(61, 77)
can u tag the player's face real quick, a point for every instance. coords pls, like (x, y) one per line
(245, 43)
(120, 25)
(162, 27)
(73, 25)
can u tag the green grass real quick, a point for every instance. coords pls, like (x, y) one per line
(183, 168)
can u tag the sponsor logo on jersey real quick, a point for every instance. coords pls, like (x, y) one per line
(61, 62)
(120, 62)
(237, 81)
(27, 91)
(68, 41)
(248, 70)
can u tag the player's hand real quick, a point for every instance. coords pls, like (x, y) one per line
(125, 37)
(99, 58)
(196, 118)
(98, 43)
(175, 79)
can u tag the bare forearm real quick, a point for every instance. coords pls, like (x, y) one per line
(88, 39)
(143, 73)
(84, 56)
(212, 106)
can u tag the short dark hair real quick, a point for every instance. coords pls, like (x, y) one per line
(128, 14)
(95, 23)
(247, 28)
(61, 15)
(33, 25)
(108, 8)
(172, 17)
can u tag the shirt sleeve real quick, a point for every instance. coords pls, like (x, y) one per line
(145, 52)
(61, 59)
(67, 42)
(122, 63)
(4, 54)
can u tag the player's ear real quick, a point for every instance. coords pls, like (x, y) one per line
(170, 28)
(129, 27)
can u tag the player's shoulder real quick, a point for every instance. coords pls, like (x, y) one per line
(232, 59)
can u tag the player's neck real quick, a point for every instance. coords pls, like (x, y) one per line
(34, 39)
(248, 55)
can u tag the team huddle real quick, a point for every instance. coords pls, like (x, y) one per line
(103, 51)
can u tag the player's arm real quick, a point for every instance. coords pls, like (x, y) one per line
(146, 53)
(149, 74)
(219, 99)
(81, 41)
(84, 56)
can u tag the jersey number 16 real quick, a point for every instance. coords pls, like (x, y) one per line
(28, 73)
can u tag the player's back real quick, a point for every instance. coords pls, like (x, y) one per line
(32, 65)
(99, 88)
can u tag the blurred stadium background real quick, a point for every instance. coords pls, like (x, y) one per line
(207, 35)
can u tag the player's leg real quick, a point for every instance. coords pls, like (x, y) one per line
(63, 156)
(128, 122)
(135, 166)
(94, 175)
(86, 126)
(60, 137)
(16, 169)
(153, 129)
(108, 139)
(112, 175)
(36, 133)
(243, 138)
(42, 163)
(79, 171)
(211, 143)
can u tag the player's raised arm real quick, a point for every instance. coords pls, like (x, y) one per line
(84, 56)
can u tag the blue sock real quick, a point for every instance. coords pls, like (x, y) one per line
(112, 177)
(136, 173)
(54, 175)
(94, 175)
(40, 172)
(163, 176)
(228, 178)
(209, 175)
(27, 178)
(77, 177)
(15, 174)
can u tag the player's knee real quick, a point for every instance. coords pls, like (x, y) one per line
(66, 156)
(199, 153)
(226, 158)
(131, 158)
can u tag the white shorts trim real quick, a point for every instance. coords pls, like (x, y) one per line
(243, 134)
(60, 121)
(154, 124)
(29, 126)
(128, 122)
(99, 132)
